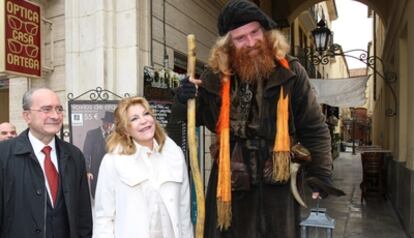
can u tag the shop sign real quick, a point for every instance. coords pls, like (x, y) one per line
(20, 48)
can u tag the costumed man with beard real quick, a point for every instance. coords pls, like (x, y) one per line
(260, 103)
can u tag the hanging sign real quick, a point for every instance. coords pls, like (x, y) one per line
(20, 38)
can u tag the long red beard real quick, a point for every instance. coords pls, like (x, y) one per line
(253, 63)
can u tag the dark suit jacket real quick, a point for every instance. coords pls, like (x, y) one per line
(23, 194)
(94, 150)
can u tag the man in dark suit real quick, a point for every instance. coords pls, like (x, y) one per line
(43, 184)
(94, 148)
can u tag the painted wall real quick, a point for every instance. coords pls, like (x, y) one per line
(53, 57)
(107, 43)
(395, 133)
(393, 45)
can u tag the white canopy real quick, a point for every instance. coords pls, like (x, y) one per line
(348, 92)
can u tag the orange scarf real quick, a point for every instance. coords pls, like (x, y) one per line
(281, 149)
(224, 177)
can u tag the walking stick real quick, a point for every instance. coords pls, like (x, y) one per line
(192, 142)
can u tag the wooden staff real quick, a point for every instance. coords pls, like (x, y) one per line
(192, 142)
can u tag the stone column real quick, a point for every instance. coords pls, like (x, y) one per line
(107, 45)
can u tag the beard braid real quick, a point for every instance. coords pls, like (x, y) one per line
(251, 66)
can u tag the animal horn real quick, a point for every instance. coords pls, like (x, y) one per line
(294, 167)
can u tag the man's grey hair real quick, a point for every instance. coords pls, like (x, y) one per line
(27, 98)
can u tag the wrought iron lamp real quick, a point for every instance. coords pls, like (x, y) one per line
(325, 52)
(322, 36)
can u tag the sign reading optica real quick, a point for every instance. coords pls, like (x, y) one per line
(20, 38)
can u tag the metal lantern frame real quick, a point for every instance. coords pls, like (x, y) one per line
(324, 53)
(323, 58)
(318, 219)
(322, 36)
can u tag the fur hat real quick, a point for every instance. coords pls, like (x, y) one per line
(237, 13)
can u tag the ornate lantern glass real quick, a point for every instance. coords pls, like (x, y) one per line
(322, 36)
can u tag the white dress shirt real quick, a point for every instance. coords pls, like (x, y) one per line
(37, 146)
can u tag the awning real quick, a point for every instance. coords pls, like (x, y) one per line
(348, 92)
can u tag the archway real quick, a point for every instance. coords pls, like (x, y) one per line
(289, 10)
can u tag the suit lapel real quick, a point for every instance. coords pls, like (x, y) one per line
(36, 183)
(64, 176)
(39, 188)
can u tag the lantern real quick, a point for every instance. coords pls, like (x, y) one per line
(317, 221)
(322, 36)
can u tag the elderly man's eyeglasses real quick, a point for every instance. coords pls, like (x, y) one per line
(49, 109)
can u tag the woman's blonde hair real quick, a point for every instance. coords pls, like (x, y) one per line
(219, 60)
(119, 140)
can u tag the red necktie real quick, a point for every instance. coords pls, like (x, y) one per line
(51, 173)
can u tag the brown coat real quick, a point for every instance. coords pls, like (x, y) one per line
(266, 210)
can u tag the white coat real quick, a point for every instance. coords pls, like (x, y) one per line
(121, 209)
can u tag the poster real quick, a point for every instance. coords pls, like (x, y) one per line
(91, 122)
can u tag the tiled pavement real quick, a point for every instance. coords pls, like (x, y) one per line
(375, 218)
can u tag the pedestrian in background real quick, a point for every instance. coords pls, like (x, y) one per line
(7, 131)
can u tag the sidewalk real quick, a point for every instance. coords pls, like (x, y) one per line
(375, 218)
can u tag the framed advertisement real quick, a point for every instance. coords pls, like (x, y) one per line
(90, 123)
(85, 115)
(91, 120)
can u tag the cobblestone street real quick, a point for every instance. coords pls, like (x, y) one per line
(375, 218)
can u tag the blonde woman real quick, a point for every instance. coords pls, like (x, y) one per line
(143, 188)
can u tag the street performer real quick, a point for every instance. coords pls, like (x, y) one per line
(260, 103)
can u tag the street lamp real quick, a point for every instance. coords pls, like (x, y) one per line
(327, 51)
(322, 36)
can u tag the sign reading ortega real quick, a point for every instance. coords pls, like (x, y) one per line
(21, 34)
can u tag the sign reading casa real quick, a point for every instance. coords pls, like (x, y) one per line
(20, 38)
